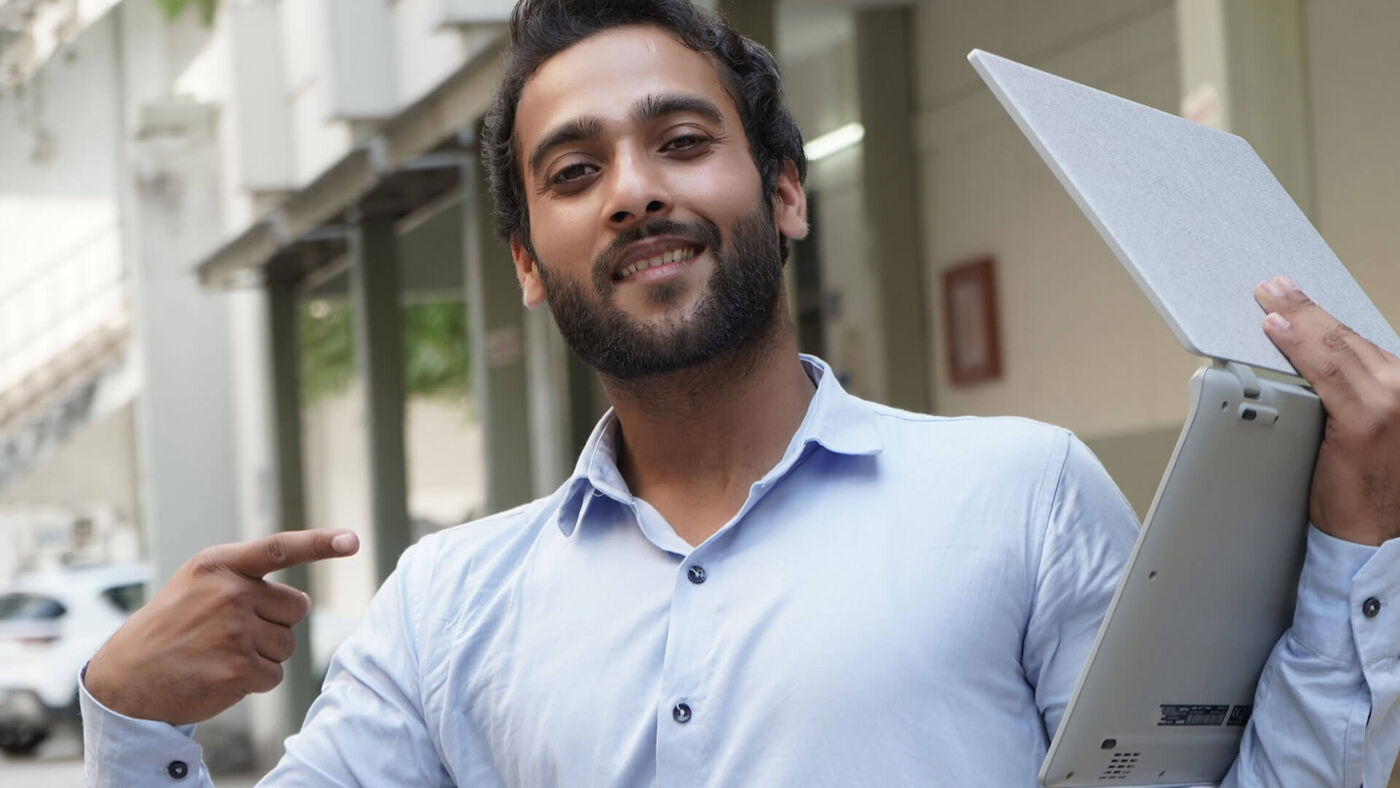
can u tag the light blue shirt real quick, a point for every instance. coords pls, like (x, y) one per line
(902, 600)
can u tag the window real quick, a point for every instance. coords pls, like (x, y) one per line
(126, 598)
(29, 607)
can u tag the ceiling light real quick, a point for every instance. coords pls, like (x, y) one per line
(834, 141)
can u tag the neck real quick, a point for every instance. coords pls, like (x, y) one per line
(693, 441)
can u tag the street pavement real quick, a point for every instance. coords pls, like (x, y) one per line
(59, 764)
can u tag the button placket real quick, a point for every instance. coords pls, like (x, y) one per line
(683, 737)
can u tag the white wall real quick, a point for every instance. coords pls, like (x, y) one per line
(317, 138)
(60, 245)
(421, 56)
(425, 54)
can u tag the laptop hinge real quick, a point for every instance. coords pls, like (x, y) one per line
(1249, 382)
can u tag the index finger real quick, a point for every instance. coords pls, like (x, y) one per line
(1321, 348)
(287, 549)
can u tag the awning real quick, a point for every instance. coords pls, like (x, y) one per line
(412, 161)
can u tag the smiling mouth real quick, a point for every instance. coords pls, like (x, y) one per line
(681, 255)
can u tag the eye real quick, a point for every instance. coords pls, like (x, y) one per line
(686, 143)
(572, 173)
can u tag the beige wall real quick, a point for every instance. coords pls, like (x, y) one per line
(1354, 70)
(1081, 346)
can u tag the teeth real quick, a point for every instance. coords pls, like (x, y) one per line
(671, 256)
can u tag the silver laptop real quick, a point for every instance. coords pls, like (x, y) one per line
(1198, 220)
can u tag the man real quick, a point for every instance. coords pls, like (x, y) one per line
(751, 578)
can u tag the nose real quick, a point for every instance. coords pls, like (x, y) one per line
(639, 192)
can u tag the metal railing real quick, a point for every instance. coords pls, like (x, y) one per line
(58, 304)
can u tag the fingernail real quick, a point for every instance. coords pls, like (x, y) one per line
(343, 543)
(1287, 283)
(1271, 286)
(1275, 321)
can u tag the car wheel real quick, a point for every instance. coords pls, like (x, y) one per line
(22, 739)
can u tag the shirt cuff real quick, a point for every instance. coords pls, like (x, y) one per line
(1375, 606)
(1337, 580)
(119, 750)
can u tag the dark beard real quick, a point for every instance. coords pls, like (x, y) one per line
(735, 310)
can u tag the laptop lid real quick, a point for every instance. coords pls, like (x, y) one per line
(1192, 212)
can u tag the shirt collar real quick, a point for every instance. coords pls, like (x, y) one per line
(840, 422)
(835, 420)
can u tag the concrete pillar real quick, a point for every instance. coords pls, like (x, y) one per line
(298, 687)
(894, 249)
(374, 297)
(1243, 69)
(186, 409)
(496, 325)
(587, 403)
(547, 379)
(171, 212)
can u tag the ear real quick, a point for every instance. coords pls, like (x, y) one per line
(790, 203)
(527, 271)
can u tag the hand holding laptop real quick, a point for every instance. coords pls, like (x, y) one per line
(1356, 484)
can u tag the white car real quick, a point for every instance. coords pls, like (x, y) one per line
(51, 623)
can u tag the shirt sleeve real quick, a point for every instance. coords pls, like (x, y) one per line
(120, 751)
(1089, 534)
(1325, 710)
(368, 725)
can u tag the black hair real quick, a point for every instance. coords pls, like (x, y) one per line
(540, 29)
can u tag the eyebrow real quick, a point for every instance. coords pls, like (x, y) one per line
(646, 110)
(655, 107)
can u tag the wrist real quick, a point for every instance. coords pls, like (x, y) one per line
(1373, 536)
(102, 686)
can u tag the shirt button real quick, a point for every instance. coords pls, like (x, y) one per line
(696, 573)
(1370, 607)
(177, 770)
(681, 713)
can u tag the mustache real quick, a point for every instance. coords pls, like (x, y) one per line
(700, 231)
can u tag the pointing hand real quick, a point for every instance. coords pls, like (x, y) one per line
(214, 633)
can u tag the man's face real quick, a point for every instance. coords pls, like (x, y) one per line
(649, 234)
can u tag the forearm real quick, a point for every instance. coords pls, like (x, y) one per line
(1325, 711)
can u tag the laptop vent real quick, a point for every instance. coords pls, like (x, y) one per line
(1120, 767)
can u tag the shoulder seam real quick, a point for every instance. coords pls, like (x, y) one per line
(1063, 440)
